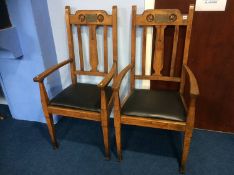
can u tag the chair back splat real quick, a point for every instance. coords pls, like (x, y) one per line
(160, 19)
(93, 19)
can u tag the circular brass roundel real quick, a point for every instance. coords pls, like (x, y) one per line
(150, 18)
(172, 17)
(100, 18)
(82, 18)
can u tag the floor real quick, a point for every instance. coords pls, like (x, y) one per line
(25, 149)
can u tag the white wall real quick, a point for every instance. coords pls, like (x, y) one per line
(149, 4)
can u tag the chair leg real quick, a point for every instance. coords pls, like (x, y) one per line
(50, 125)
(105, 130)
(118, 141)
(186, 147)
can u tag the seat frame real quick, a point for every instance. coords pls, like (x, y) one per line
(91, 19)
(147, 19)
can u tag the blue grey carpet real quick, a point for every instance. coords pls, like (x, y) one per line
(25, 149)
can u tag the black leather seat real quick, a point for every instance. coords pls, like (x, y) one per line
(81, 96)
(155, 104)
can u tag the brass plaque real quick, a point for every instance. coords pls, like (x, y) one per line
(165, 18)
(161, 18)
(91, 17)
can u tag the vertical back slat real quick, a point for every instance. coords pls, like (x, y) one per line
(80, 48)
(70, 45)
(105, 49)
(143, 50)
(159, 50)
(114, 33)
(93, 54)
(174, 51)
(133, 47)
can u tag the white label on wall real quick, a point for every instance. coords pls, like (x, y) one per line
(210, 5)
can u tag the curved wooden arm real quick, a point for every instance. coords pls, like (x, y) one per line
(194, 90)
(120, 77)
(108, 77)
(40, 77)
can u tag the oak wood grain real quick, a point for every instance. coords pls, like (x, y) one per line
(159, 50)
(159, 19)
(91, 19)
(174, 50)
(93, 53)
(80, 47)
(47, 72)
(105, 30)
(70, 45)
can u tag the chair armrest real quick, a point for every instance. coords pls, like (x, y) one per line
(117, 83)
(108, 77)
(43, 75)
(194, 90)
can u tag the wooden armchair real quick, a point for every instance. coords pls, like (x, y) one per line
(157, 108)
(82, 100)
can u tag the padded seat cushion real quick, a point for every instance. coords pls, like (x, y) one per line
(155, 104)
(81, 96)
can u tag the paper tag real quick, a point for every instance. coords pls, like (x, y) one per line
(185, 17)
(210, 5)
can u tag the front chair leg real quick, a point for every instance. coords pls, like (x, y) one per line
(50, 124)
(118, 141)
(117, 124)
(105, 130)
(186, 146)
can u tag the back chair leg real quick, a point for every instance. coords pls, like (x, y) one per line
(50, 124)
(105, 130)
(186, 147)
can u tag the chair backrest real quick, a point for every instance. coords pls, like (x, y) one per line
(92, 19)
(160, 19)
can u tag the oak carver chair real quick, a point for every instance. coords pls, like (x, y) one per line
(83, 100)
(157, 108)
